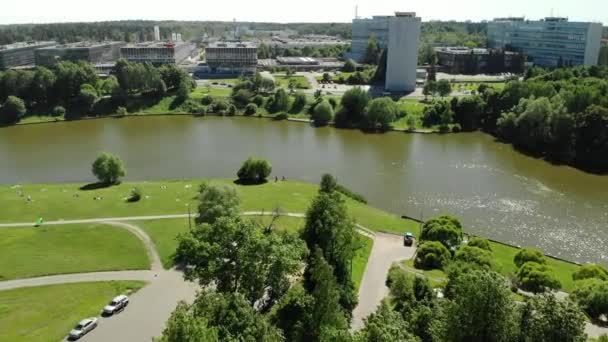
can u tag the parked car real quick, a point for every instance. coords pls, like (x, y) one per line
(84, 327)
(116, 305)
(408, 239)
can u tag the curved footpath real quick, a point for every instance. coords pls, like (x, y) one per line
(151, 306)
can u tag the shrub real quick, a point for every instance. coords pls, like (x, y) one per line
(299, 102)
(135, 195)
(254, 171)
(281, 116)
(380, 113)
(480, 243)
(58, 111)
(474, 255)
(12, 110)
(207, 100)
(592, 296)
(333, 102)
(122, 111)
(258, 100)
(445, 229)
(219, 106)
(591, 271)
(251, 109)
(322, 114)
(529, 255)
(432, 255)
(456, 128)
(537, 278)
(231, 110)
(108, 168)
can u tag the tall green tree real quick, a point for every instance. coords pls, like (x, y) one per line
(547, 319)
(12, 110)
(353, 104)
(322, 114)
(381, 112)
(108, 168)
(185, 326)
(385, 325)
(215, 201)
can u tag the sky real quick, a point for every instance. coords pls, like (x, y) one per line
(44, 11)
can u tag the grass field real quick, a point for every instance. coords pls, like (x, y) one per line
(67, 201)
(32, 252)
(283, 81)
(360, 260)
(48, 313)
(411, 107)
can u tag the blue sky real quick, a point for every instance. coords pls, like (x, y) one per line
(37, 11)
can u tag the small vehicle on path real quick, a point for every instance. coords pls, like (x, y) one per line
(408, 239)
(83, 327)
(117, 304)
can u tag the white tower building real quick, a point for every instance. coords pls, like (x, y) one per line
(156, 33)
(402, 58)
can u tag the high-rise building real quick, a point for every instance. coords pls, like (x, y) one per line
(158, 52)
(157, 33)
(402, 53)
(232, 57)
(551, 42)
(93, 52)
(399, 34)
(20, 54)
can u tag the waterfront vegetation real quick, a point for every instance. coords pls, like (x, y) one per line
(62, 249)
(47, 313)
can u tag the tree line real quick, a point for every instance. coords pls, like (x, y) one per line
(561, 114)
(74, 88)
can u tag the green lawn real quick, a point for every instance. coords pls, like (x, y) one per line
(48, 313)
(32, 252)
(283, 81)
(470, 86)
(200, 92)
(411, 107)
(360, 261)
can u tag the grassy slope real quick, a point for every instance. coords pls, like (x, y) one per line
(47, 313)
(360, 261)
(31, 252)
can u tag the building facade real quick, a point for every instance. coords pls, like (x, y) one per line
(158, 53)
(363, 29)
(232, 57)
(463, 60)
(20, 54)
(92, 52)
(551, 42)
(402, 53)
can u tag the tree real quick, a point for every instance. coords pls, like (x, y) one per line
(13, 110)
(215, 201)
(546, 319)
(372, 52)
(251, 109)
(279, 102)
(322, 114)
(110, 86)
(431, 255)
(468, 112)
(529, 255)
(88, 97)
(430, 88)
(329, 227)
(299, 102)
(293, 314)
(328, 184)
(385, 325)
(437, 114)
(236, 255)
(592, 296)
(444, 229)
(480, 243)
(349, 66)
(471, 254)
(58, 111)
(591, 271)
(42, 85)
(254, 171)
(353, 102)
(108, 168)
(185, 326)
(480, 308)
(444, 88)
(381, 112)
(408, 293)
(536, 278)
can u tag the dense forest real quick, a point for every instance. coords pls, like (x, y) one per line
(561, 115)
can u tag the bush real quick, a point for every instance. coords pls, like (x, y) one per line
(349, 66)
(108, 168)
(333, 102)
(537, 278)
(12, 110)
(254, 171)
(299, 103)
(207, 100)
(445, 229)
(135, 195)
(353, 195)
(58, 111)
(474, 255)
(432, 255)
(591, 271)
(322, 114)
(592, 296)
(456, 128)
(219, 106)
(231, 110)
(480, 243)
(122, 111)
(281, 116)
(380, 113)
(258, 100)
(251, 109)
(529, 255)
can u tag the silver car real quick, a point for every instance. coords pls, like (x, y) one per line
(83, 328)
(116, 305)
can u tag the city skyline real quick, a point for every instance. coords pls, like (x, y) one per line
(314, 11)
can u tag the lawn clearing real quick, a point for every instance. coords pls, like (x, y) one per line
(47, 313)
(33, 252)
(300, 81)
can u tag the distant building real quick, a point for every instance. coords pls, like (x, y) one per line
(158, 52)
(551, 42)
(92, 52)
(232, 57)
(399, 34)
(402, 53)
(156, 33)
(20, 54)
(463, 60)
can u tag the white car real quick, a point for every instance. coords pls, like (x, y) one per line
(83, 328)
(116, 305)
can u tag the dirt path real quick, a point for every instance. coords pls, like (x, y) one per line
(155, 263)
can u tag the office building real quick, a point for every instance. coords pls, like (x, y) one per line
(551, 42)
(399, 34)
(92, 52)
(463, 60)
(232, 57)
(158, 52)
(402, 54)
(156, 33)
(20, 54)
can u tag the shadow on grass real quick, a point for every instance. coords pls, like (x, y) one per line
(249, 182)
(97, 186)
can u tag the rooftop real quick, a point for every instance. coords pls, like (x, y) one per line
(233, 45)
(21, 45)
(81, 45)
(153, 44)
